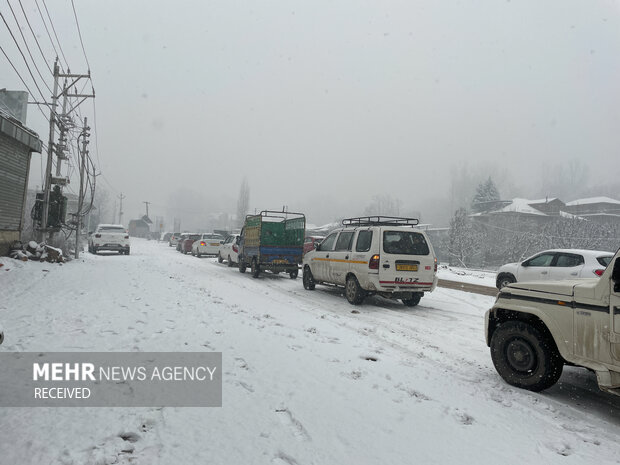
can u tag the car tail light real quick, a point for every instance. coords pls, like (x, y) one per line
(373, 264)
(435, 264)
(97, 235)
(235, 249)
(203, 243)
(599, 272)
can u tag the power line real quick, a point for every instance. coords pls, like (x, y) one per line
(80, 35)
(23, 56)
(35, 37)
(55, 35)
(27, 48)
(23, 82)
(48, 31)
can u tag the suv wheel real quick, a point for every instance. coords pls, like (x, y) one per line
(525, 357)
(308, 279)
(219, 258)
(414, 300)
(241, 264)
(504, 280)
(255, 268)
(353, 291)
(230, 263)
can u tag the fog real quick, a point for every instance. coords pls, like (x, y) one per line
(324, 105)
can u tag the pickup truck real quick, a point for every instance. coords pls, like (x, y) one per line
(535, 328)
(113, 237)
(272, 241)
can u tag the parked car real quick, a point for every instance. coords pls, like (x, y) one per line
(166, 237)
(180, 240)
(188, 242)
(311, 242)
(535, 328)
(174, 239)
(207, 244)
(229, 250)
(272, 241)
(1, 335)
(112, 237)
(555, 264)
(374, 255)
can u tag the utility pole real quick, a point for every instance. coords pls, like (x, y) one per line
(62, 121)
(50, 152)
(120, 210)
(84, 154)
(147, 208)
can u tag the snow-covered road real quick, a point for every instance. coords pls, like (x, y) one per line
(306, 381)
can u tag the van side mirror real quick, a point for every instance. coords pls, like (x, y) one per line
(317, 246)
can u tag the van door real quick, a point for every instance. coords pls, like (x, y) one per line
(319, 261)
(614, 308)
(339, 259)
(406, 260)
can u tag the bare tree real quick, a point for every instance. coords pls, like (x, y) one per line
(243, 202)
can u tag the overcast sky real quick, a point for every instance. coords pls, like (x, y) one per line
(323, 104)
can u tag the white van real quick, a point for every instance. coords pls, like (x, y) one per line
(372, 255)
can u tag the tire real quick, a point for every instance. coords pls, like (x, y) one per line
(503, 280)
(219, 258)
(242, 265)
(255, 268)
(415, 299)
(127, 251)
(308, 279)
(525, 356)
(94, 250)
(355, 294)
(294, 274)
(230, 263)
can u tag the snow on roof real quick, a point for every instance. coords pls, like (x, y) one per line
(591, 200)
(111, 226)
(543, 200)
(520, 206)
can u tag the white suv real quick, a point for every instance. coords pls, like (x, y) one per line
(379, 255)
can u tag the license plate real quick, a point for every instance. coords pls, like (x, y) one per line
(406, 267)
(279, 262)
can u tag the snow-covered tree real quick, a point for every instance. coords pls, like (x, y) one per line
(485, 192)
(463, 242)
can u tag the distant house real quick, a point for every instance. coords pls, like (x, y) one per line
(599, 209)
(139, 228)
(531, 213)
(17, 142)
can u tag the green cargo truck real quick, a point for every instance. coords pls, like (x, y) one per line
(272, 241)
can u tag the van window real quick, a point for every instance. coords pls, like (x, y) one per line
(344, 240)
(364, 240)
(404, 243)
(328, 243)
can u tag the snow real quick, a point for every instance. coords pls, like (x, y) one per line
(300, 383)
(592, 200)
(465, 275)
(521, 206)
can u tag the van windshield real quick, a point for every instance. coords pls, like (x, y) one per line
(404, 243)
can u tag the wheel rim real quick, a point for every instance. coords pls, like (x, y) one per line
(505, 282)
(520, 355)
(350, 289)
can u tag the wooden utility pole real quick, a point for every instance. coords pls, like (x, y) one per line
(120, 211)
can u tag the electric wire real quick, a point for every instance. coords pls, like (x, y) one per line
(55, 35)
(77, 23)
(48, 33)
(35, 37)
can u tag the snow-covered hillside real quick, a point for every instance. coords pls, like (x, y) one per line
(306, 380)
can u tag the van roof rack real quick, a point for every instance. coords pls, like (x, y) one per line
(380, 221)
